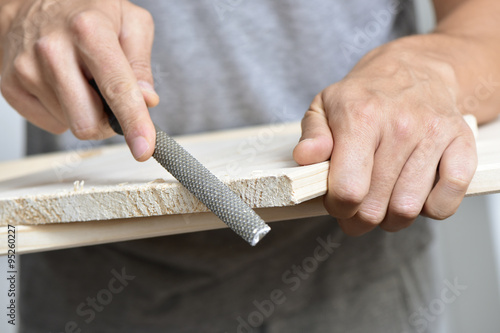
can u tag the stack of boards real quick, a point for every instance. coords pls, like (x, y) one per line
(101, 195)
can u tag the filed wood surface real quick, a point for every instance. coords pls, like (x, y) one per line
(123, 199)
(107, 183)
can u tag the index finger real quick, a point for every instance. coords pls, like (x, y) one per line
(101, 52)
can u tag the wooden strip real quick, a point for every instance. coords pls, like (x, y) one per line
(67, 235)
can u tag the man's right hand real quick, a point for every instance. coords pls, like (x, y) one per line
(51, 49)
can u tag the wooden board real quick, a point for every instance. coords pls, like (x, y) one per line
(108, 183)
(125, 199)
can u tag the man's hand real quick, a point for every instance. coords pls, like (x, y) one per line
(386, 128)
(51, 49)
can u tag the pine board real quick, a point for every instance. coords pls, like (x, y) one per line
(255, 163)
(122, 199)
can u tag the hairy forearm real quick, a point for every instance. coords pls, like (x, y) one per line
(468, 31)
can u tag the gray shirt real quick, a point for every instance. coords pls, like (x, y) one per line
(231, 63)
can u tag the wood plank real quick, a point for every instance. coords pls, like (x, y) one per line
(256, 162)
(107, 183)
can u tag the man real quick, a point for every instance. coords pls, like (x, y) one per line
(386, 125)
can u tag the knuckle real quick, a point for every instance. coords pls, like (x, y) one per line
(373, 216)
(363, 115)
(47, 46)
(364, 110)
(21, 65)
(459, 176)
(84, 23)
(311, 114)
(86, 131)
(49, 49)
(438, 213)
(457, 182)
(116, 87)
(131, 122)
(316, 106)
(403, 128)
(348, 194)
(445, 70)
(141, 67)
(408, 210)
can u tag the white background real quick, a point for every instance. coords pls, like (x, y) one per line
(469, 242)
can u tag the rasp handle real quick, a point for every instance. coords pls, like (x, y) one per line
(203, 184)
(113, 122)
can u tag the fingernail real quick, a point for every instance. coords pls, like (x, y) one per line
(146, 86)
(139, 147)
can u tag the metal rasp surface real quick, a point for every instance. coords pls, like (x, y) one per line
(219, 198)
(203, 184)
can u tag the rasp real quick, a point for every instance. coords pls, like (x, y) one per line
(203, 184)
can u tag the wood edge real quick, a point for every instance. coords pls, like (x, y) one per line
(486, 180)
(258, 190)
(309, 182)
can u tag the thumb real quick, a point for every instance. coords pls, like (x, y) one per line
(136, 39)
(316, 142)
